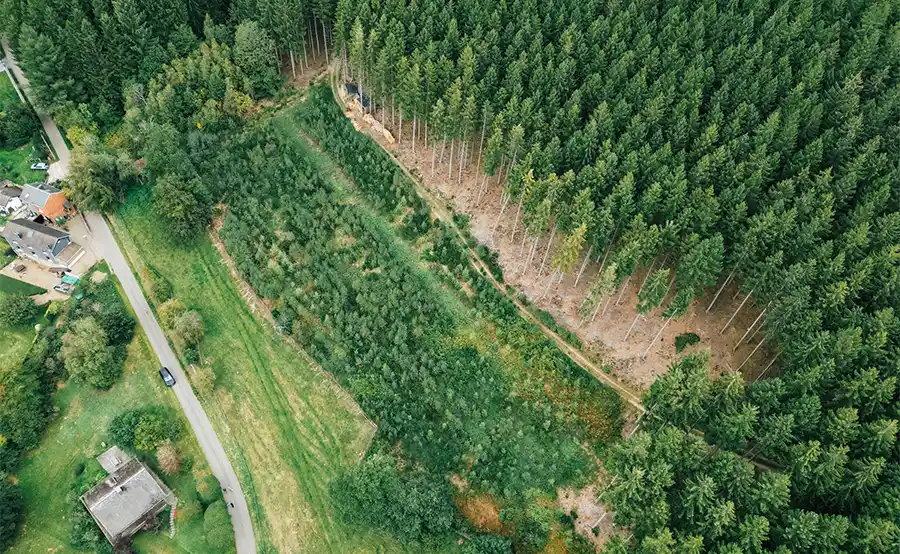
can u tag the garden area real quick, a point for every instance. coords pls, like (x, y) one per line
(85, 379)
(20, 137)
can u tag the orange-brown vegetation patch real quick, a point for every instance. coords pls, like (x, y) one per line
(481, 511)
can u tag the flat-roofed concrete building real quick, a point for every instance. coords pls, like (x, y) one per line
(129, 499)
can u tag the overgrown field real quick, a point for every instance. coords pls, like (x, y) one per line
(287, 430)
(382, 298)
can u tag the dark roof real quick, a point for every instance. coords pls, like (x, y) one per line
(40, 238)
(8, 193)
(38, 193)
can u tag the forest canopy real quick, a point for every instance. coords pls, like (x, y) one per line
(754, 143)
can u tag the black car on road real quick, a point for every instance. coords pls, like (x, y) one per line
(167, 376)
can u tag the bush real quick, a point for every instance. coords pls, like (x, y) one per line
(160, 288)
(488, 544)
(170, 311)
(217, 526)
(189, 328)
(145, 428)
(87, 356)
(376, 494)
(118, 324)
(168, 457)
(17, 125)
(154, 429)
(10, 512)
(191, 354)
(203, 378)
(83, 531)
(208, 489)
(187, 511)
(17, 309)
(684, 340)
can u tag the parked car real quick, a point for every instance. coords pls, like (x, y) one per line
(20, 268)
(167, 376)
(40, 166)
(64, 288)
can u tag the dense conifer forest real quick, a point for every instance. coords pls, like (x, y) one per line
(713, 142)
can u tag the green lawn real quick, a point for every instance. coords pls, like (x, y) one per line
(9, 285)
(77, 434)
(7, 91)
(14, 343)
(286, 428)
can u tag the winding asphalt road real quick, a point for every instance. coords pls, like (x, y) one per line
(102, 242)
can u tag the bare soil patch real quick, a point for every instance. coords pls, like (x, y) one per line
(603, 339)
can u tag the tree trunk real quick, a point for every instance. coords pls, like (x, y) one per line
(647, 276)
(462, 162)
(758, 377)
(450, 171)
(325, 42)
(443, 146)
(306, 60)
(482, 189)
(499, 217)
(622, 291)
(630, 328)
(293, 67)
(400, 133)
(547, 251)
(393, 119)
(530, 255)
(500, 169)
(318, 46)
(755, 321)
(749, 294)
(550, 283)
(414, 137)
(524, 238)
(663, 328)
(433, 154)
(425, 124)
(383, 109)
(587, 257)
(718, 292)
(512, 236)
(747, 359)
(605, 306)
(481, 144)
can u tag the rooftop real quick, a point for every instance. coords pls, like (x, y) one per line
(38, 193)
(122, 502)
